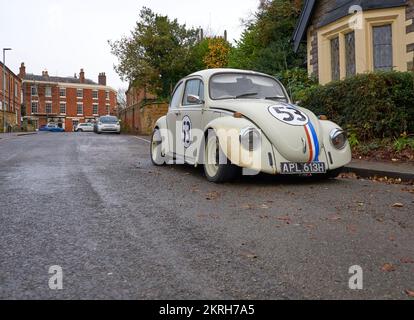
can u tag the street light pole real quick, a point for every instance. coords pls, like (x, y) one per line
(4, 88)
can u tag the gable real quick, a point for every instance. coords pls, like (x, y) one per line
(336, 9)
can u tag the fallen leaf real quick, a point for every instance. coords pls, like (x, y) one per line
(398, 205)
(406, 260)
(410, 293)
(249, 255)
(335, 218)
(263, 206)
(212, 195)
(388, 267)
(248, 206)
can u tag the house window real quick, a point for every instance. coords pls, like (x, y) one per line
(48, 92)
(62, 92)
(35, 107)
(48, 107)
(95, 109)
(80, 109)
(95, 94)
(350, 54)
(16, 89)
(383, 57)
(62, 109)
(79, 93)
(107, 95)
(335, 66)
(34, 91)
(108, 109)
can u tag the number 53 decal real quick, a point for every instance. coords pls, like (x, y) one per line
(289, 115)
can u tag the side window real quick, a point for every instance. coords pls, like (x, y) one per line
(175, 101)
(193, 87)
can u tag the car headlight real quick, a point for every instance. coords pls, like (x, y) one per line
(338, 138)
(250, 139)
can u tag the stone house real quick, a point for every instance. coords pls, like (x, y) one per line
(346, 37)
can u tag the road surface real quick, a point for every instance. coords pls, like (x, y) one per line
(122, 229)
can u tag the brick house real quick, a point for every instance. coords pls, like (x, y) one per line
(346, 37)
(13, 98)
(65, 101)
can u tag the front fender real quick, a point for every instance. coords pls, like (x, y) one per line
(336, 158)
(228, 131)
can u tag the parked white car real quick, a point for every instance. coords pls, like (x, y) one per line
(229, 119)
(107, 124)
(84, 127)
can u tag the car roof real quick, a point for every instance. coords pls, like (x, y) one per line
(206, 74)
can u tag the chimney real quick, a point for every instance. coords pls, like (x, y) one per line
(22, 72)
(225, 35)
(82, 76)
(45, 74)
(102, 79)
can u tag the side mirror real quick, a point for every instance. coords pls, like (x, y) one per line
(192, 99)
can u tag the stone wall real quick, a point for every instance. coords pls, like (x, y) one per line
(410, 32)
(321, 7)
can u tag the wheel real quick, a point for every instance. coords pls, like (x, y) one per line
(214, 171)
(157, 153)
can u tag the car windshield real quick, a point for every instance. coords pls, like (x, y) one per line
(109, 120)
(240, 85)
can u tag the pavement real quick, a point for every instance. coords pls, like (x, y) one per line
(121, 228)
(370, 169)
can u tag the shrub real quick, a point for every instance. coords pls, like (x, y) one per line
(374, 105)
(296, 81)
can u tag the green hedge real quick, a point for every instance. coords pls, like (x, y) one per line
(374, 105)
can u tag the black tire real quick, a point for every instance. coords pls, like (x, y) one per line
(225, 172)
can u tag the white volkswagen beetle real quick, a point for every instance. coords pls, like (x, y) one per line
(228, 120)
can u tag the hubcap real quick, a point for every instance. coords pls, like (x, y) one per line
(156, 149)
(212, 157)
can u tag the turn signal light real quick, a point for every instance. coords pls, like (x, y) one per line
(323, 118)
(238, 115)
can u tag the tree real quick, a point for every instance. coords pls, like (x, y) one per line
(265, 44)
(156, 54)
(121, 98)
(218, 52)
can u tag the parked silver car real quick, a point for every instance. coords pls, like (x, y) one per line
(107, 124)
(84, 127)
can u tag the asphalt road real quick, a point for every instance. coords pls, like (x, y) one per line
(123, 229)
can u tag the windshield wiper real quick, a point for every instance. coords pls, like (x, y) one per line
(246, 95)
(276, 98)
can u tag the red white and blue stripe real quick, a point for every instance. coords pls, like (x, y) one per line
(313, 142)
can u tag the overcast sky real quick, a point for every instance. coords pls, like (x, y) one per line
(63, 36)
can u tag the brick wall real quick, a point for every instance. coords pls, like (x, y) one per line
(12, 96)
(141, 120)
